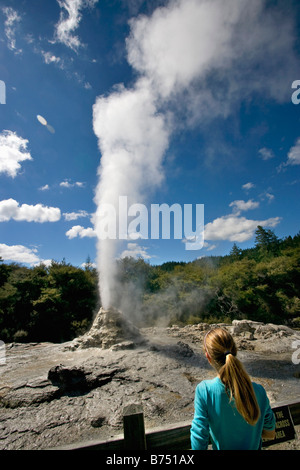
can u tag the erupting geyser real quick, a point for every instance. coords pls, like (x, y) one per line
(132, 139)
(109, 328)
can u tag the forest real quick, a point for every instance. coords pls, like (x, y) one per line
(57, 303)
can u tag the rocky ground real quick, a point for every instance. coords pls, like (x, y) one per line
(57, 394)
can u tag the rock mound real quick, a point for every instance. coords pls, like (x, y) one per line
(110, 328)
(264, 337)
(248, 334)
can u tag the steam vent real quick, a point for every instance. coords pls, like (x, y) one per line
(110, 328)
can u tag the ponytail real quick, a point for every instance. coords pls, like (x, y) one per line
(221, 349)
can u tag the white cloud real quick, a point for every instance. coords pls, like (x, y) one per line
(293, 157)
(10, 26)
(270, 196)
(13, 150)
(248, 186)
(21, 254)
(265, 153)
(235, 228)
(70, 17)
(135, 251)
(50, 58)
(88, 265)
(10, 209)
(18, 254)
(67, 184)
(239, 206)
(294, 154)
(81, 232)
(266, 195)
(75, 215)
(209, 247)
(44, 188)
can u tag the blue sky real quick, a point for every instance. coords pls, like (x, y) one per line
(186, 102)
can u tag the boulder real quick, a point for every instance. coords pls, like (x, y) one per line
(79, 378)
(240, 327)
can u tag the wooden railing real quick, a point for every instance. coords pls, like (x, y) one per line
(177, 437)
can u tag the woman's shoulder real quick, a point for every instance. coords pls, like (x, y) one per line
(259, 390)
(209, 384)
(258, 387)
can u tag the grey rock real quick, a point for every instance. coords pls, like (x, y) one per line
(51, 395)
(184, 349)
(79, 378)
(123, 345)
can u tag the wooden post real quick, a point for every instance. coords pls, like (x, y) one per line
(134, 428)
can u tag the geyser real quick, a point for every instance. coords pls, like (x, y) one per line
(132, 138)
(109, 328)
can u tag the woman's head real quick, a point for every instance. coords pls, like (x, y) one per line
(221, 351)
(218, 344)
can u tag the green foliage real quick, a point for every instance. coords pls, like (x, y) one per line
(57, 303)
(44, 303)
(266, 242)
(235, 252)
(261, 283)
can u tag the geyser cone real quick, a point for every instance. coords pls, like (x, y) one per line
(109, 328)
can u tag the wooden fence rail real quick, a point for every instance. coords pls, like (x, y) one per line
(176, 437)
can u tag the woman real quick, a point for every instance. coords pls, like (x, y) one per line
(230, 411)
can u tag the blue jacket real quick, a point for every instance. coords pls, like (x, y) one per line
(217, 419)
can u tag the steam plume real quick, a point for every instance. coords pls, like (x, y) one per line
(197, 59)
(132, 139)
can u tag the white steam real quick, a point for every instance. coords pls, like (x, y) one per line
(132, 140)
(195, 60)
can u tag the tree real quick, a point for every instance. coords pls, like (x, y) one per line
(235, 252)
(4, 272)
(266, 241)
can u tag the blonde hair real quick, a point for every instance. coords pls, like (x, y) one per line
(222, 350)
